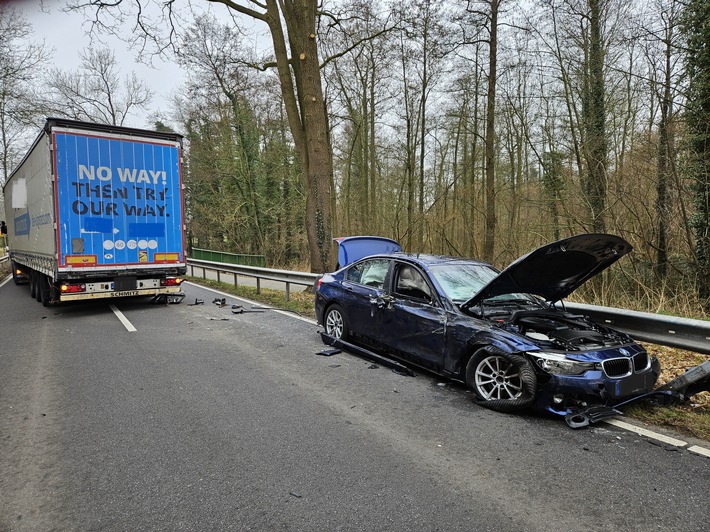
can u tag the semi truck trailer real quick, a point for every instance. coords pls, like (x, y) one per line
(96, 211)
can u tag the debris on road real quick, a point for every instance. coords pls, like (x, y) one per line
(172, 299)
(238, 309)
(366, 353)
(328, 352)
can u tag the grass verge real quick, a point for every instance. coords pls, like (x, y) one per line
(300, 302)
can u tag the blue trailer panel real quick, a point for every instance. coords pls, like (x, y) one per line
(119, 201)
(96, 211)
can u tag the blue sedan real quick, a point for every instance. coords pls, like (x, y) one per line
(504, 334)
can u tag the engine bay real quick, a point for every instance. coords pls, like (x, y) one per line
(560, 329)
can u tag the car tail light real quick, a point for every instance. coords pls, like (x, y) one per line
(72, 288)
(171, 281)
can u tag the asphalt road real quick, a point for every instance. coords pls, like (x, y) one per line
(202, 420)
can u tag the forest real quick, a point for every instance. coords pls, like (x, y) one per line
(480, 128)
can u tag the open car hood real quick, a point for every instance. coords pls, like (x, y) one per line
(352, 248)
(556, 270)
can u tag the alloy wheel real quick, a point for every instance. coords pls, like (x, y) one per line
(497, 378)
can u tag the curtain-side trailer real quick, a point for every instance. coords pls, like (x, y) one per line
(96, 211)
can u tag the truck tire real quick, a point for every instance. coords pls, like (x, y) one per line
(33, 284)
(39, 277)
(44, 290)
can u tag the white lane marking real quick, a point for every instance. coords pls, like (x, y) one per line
(255, 303)
(699, 450)
(645, 432)
(127, 324)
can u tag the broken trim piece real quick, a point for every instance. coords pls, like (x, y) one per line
(593, 414)
(366, 353)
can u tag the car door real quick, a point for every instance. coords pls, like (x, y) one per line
(413, 324)
(364, 284)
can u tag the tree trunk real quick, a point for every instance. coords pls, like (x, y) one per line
(306, 112)
(489, 242)
(595, 118)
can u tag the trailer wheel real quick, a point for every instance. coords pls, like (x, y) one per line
(44, 290)
(39, 278)
(33, 284)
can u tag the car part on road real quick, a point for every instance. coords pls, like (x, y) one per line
(172, 299)
(366, 353)
(695, 380)
(238, 309)
(592, 414)
(328, 352)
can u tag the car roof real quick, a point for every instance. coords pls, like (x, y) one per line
(426, 259)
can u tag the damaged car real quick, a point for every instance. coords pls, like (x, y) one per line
(505, 334)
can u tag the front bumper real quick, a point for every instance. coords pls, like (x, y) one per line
(563, 393)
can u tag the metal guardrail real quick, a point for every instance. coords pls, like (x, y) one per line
(684, 333)
(4, 259)
(235, 270)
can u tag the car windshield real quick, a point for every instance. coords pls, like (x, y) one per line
(461, 281)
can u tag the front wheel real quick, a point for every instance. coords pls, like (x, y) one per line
(335, 323)
(500, 380)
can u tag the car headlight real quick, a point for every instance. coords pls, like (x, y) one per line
(560, 364)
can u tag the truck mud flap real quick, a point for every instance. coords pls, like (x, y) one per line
(366, 353)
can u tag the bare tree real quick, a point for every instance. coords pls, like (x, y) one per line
(96, 91)
(485, 15)
(292, 27)
(20, 62)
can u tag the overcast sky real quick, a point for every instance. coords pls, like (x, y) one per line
(66, 35)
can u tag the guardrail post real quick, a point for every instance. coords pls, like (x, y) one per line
(218, 277)
(204, 273)
(236, 283)
(258, 285)
(288, 290)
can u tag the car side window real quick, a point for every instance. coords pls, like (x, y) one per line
(369, 272)
(411, 283)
